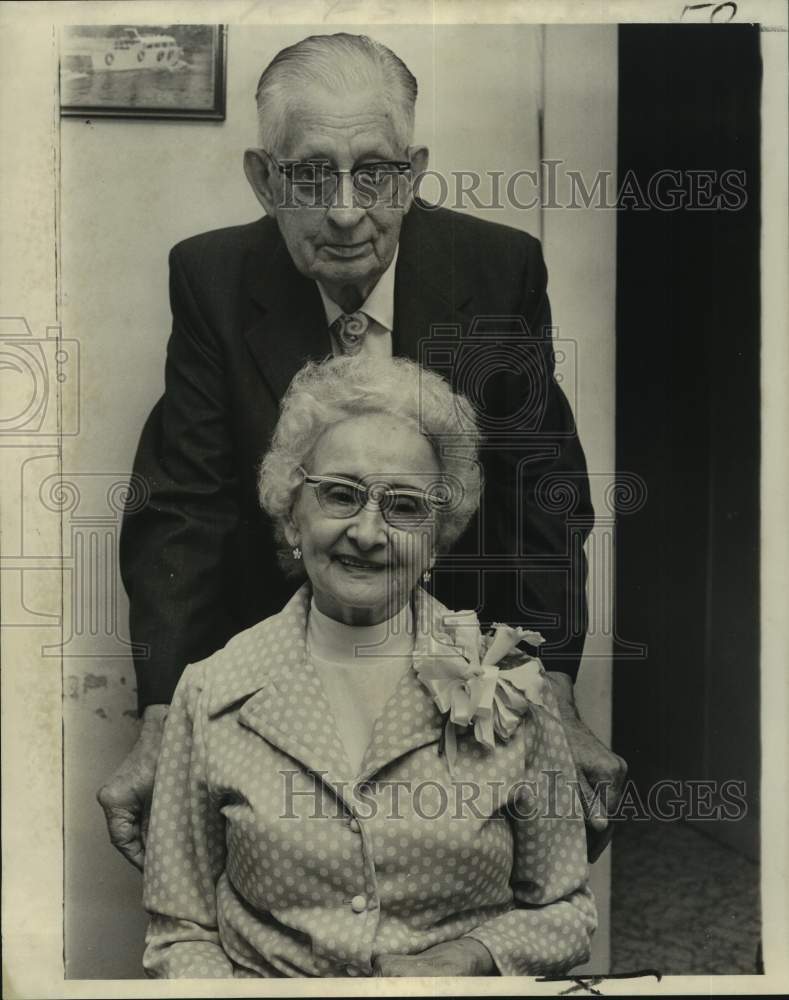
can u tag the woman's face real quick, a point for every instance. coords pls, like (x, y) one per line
(363, 569)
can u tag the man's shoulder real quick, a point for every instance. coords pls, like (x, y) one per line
(479, 253)
(463, 228)
(489, 261)
(228, 244)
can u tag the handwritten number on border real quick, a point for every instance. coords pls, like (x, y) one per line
(717, 8)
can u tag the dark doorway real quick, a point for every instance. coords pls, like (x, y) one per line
(687, 382)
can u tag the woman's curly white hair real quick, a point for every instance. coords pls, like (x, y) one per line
(322, 394)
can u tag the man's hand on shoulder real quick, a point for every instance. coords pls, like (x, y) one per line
(601, 772)
(126, 796)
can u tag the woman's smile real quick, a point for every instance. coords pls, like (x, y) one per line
(357, 564)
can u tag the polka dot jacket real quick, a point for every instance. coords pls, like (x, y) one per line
(264, 857)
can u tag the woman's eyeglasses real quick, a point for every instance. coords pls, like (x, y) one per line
(402, 508)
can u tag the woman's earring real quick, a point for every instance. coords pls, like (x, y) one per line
(296, 552)
(426, 576)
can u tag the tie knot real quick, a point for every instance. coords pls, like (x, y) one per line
(349, 330)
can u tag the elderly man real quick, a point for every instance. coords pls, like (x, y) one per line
(347, 259)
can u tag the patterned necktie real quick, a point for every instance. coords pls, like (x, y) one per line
(350, 331)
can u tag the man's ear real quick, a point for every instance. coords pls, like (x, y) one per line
(263, 178)
(419, 157)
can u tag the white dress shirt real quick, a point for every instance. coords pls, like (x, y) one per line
(379, 309)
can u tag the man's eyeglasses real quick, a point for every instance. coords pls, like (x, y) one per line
(315, 182)
(402, 508)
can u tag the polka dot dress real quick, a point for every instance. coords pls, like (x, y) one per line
(264, 860)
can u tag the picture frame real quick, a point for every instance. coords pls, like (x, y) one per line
(175, 71)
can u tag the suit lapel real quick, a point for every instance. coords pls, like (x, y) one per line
(426, 291)
(285, 325)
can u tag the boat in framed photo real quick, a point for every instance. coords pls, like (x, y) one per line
(128, 71)
(134, 51)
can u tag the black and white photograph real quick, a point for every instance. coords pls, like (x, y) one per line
(173, 71)
(394, 553)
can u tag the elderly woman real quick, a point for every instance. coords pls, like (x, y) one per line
(363, 784)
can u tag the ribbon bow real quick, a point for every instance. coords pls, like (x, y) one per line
(460, 668)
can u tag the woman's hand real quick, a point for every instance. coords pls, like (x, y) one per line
(463, 957)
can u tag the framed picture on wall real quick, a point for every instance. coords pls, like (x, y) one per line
(143, 71)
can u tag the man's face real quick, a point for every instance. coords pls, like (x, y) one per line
(346, 243)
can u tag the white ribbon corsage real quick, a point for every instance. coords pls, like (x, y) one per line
(462, 669)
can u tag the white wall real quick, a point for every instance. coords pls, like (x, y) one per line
(132, 189)
(31, 760)
(580, 247)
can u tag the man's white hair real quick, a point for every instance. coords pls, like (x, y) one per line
(340, 62)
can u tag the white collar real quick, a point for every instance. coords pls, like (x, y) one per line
(379, 304)
(340, 643)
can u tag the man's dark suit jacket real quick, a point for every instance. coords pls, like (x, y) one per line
(199, 560)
